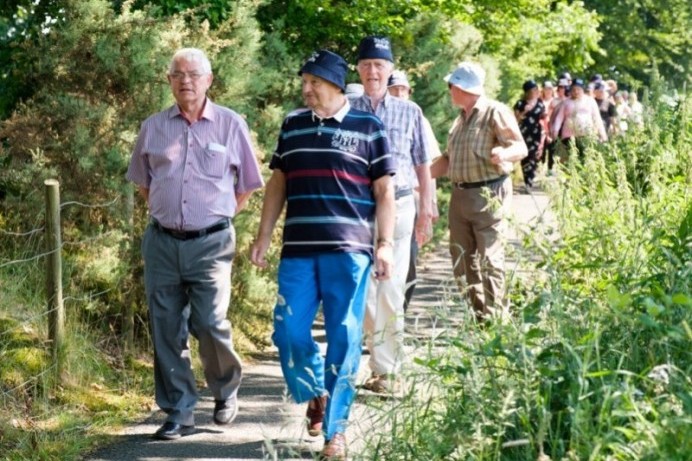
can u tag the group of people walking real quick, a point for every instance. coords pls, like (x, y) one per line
(354, 178)
(555, 119)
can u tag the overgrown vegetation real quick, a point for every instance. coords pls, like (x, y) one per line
(596, 362)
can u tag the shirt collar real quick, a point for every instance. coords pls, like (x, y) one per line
(339, 116)
(208, 112)
(385, 101)
(481, 104)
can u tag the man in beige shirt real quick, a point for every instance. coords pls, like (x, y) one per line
(483, 145)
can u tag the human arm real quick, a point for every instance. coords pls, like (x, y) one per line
(241, 200)
(439, 167)
(598, 122)
(557, 120)
(385, 211)
(511, 146)
(274, 200)
(144, 193)
(425, 208)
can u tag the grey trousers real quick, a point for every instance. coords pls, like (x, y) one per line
(195, 272)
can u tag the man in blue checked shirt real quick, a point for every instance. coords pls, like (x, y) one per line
(332, 168)
(403, 121)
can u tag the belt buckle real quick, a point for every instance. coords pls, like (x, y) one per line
(180, 235)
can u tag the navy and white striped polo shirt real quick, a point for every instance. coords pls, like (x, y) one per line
(330, 165)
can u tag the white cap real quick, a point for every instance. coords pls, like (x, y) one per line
(468, 76)
(354, 89)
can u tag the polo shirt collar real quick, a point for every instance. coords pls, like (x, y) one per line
(339, 116)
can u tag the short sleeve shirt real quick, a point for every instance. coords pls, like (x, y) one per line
(194, 171)
(330, 165)
(471, 141)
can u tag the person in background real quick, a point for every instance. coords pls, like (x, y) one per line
(403, 121)
(636, 110)
(551, 109)
(623, 110)
(332, 170)
(483, 145)
(399, 87)
(606, 107)
(530, 113)
(194, 165)
(577, 122)
(354, 90)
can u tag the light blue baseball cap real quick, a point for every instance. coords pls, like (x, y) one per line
(468, 76)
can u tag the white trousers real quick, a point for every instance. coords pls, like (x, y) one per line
(384, 312)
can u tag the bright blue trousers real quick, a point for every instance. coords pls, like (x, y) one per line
(339, 281)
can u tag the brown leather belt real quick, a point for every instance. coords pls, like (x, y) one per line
(473, 185)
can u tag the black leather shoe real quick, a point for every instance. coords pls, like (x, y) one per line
(225, 411)
(172, 431)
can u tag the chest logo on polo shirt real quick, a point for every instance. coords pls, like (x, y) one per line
(345, 140)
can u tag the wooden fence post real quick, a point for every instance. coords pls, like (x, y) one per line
(129, 303)
(56, 310)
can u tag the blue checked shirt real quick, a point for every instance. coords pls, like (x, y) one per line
(403, 121)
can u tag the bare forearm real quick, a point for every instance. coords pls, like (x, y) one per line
(439, 167)
(385, 208)
(241, 201)
(425, 190)
(144, 193)
(274, 199)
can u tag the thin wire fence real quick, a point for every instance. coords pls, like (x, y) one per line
(25, 311)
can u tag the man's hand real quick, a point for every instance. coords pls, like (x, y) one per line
(258, 250)
(384, 260)
(496, 155)
(423, 228)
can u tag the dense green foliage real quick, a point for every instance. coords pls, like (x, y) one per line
(597, 362)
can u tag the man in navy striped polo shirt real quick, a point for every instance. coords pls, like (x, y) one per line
(333, 169)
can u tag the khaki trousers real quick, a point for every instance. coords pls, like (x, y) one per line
(476, 225)
(384, 312)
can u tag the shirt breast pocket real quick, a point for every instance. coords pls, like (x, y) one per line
(214, 160)
(400, 140)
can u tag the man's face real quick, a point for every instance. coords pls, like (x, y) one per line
(374, 74)
(576, 92)
(317, 92)
(400, 91)
(189, 82)
(460, 98)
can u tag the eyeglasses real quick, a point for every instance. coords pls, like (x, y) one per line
(179, 76)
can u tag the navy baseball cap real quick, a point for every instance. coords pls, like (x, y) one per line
(529, 85)
(374, 47)
(328, 66)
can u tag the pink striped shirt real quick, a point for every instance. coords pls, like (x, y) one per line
(193, 172)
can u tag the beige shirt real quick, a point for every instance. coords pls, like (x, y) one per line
(471, 141)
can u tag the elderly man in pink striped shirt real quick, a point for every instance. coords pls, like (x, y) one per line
(194, 165)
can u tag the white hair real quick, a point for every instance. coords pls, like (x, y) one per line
(191, 54)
